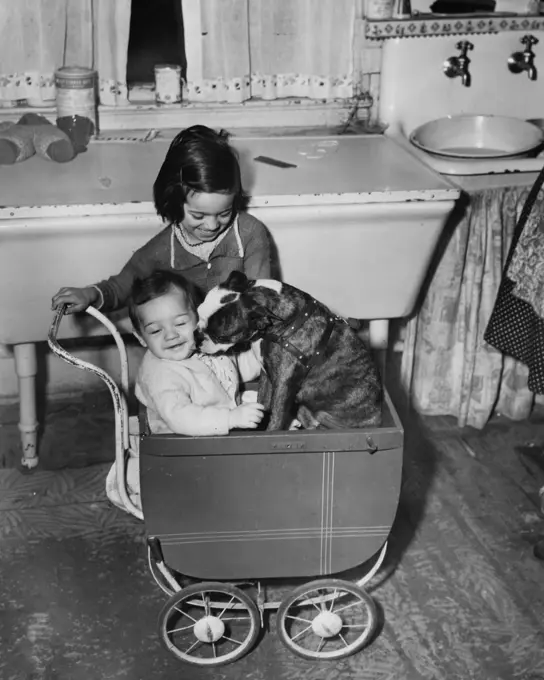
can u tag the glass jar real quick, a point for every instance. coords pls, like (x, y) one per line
(76, 104)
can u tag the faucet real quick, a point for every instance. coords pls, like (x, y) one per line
(458, 66)
(524, 61)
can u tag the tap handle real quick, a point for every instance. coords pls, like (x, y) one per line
(529, 41)
(464, 46)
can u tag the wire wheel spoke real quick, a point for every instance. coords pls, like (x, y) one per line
(347, 606)
(333, 599)
(297, 618)
(301, 633)
(226, 606)
(179, 630)
(195, 644)
(315, 605)
(183, 613)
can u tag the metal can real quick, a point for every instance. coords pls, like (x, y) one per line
(76, 103)
(167, 83)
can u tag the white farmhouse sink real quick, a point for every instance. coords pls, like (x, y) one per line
(415, 91)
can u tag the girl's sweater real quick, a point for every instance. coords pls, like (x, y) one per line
(245, 247)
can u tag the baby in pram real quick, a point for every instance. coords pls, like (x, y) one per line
(184, 391)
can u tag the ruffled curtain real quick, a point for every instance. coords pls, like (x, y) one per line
(31, 48)
(111, 30)
(237, 49)
(302, 48)
(217, 50)
(447, 367)
(39, 36)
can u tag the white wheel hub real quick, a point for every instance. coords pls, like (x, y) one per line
(327, 624)
(209, 629)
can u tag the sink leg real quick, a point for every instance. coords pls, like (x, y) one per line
(379, 340)
(26, 367)
(379, 333)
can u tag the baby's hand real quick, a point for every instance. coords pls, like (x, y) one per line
(246, 416)
(76, 299)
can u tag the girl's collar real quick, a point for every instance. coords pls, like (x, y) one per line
(203, 250)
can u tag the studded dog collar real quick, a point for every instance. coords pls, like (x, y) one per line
(283, 337)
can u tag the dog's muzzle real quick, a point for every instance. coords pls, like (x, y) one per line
(199, 338)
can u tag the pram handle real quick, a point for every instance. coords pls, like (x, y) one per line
(122, 441)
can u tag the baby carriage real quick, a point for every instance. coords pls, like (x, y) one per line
(226, 515)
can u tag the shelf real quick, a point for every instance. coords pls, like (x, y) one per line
(428, 26)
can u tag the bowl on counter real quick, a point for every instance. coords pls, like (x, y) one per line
(478, 137)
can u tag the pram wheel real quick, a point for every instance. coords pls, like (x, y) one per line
(326, 619)
(209, 624)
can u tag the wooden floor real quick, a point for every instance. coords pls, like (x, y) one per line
(461, 594)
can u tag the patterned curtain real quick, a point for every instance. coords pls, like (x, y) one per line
(39, 36)
(447, 367)
(237, 49)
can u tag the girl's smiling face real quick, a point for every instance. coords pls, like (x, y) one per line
(206, 216)
(167, 325)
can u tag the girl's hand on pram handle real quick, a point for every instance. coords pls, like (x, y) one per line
(246, 416)
(75, 299)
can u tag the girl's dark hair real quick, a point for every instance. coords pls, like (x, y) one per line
(202, 160)
(160, 282)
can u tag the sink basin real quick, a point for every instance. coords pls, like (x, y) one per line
(478, 137)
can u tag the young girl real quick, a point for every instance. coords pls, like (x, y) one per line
(184, 391)
(198, 193)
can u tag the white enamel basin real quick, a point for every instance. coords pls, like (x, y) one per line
(477, 137)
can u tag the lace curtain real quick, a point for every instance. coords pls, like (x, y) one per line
(217, 50)
(237, 49)
(39, 36)
(302, 48)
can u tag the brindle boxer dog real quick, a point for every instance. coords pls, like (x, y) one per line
(316, 368)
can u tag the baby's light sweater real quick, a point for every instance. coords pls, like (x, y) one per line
(187, 397)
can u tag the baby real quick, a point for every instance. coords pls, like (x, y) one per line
(185, 392)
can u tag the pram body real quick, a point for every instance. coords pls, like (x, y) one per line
(232, 512)
(272, 504)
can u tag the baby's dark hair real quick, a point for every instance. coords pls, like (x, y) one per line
(201, 160)
(160, 282)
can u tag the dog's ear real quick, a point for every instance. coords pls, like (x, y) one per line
(237, 282)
